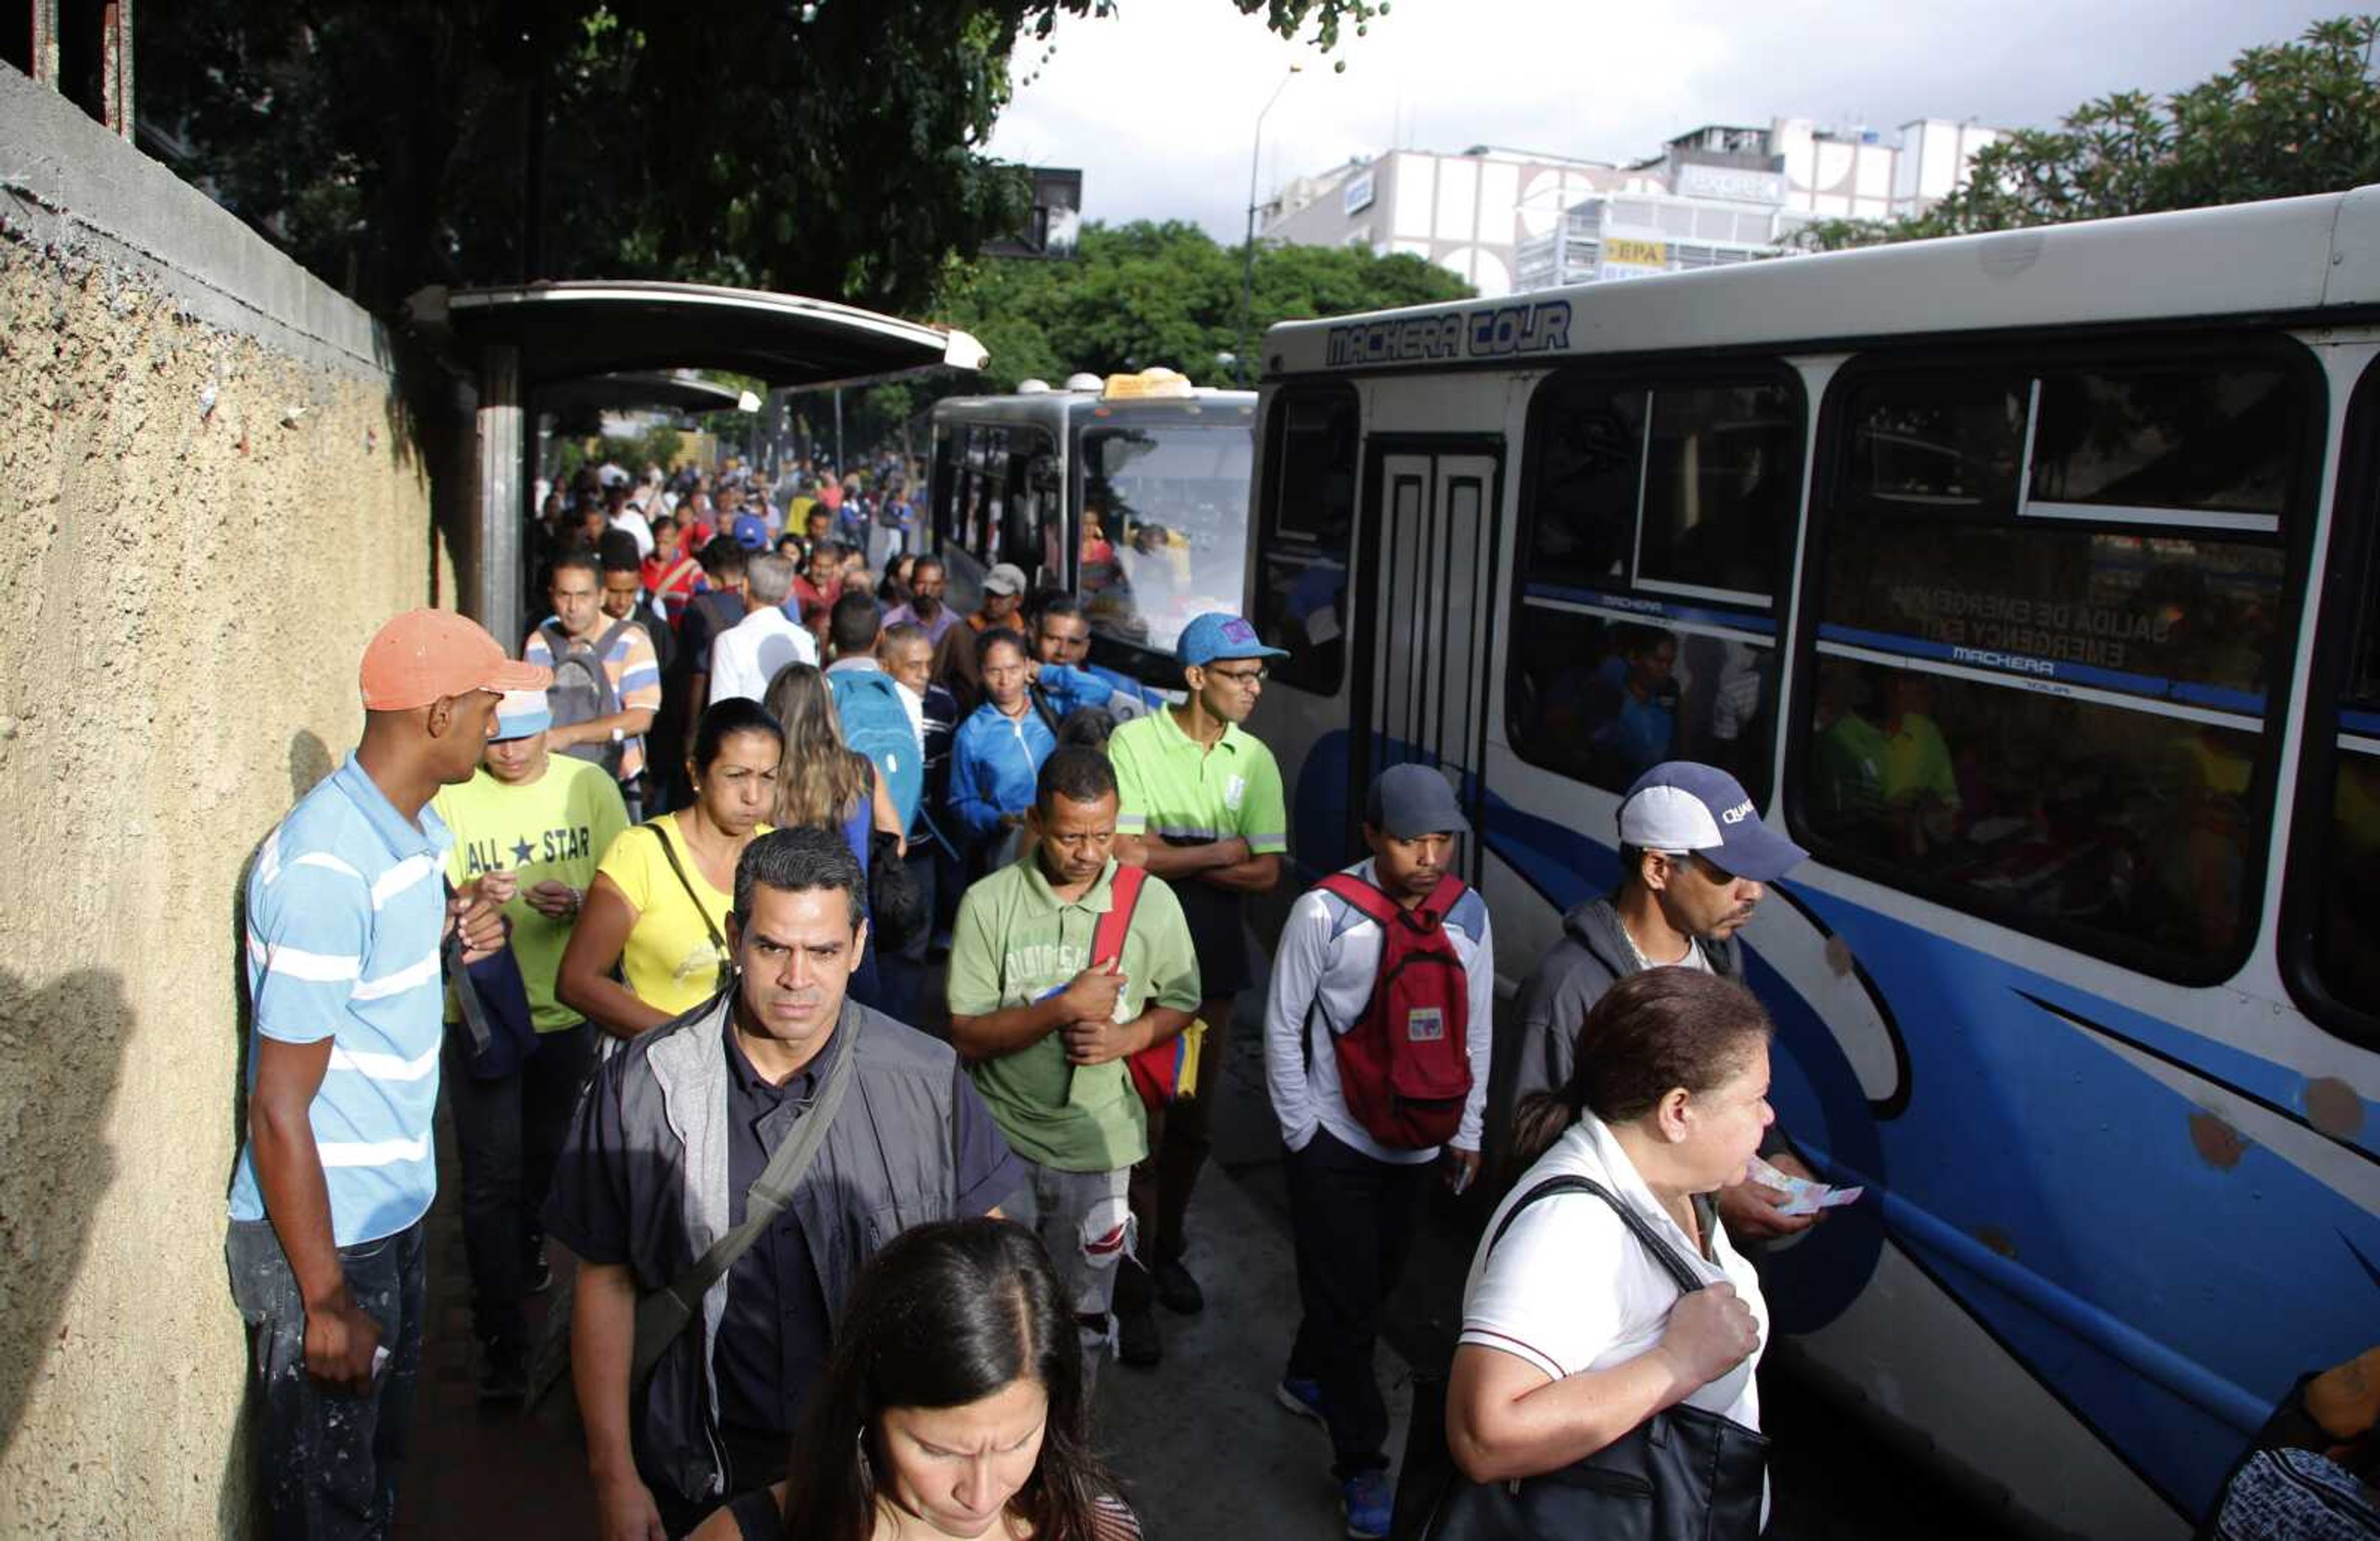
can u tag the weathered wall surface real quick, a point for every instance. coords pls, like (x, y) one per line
(209, 497)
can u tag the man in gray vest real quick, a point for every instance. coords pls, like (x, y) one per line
(1696, 860)
(668, 1142)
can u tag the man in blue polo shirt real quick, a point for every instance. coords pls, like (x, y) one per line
(347, 917)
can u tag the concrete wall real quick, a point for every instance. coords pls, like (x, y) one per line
(212, 495)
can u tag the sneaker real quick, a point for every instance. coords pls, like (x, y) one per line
(1368, 1502)
(503, 1370)
(1136, 1338)
(1176, 1290)
(1301, 1396)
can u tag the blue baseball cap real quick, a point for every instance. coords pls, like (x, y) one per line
(1218, 634)
(1680, 806)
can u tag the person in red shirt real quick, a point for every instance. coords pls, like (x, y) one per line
(817, 588)
(671, 576)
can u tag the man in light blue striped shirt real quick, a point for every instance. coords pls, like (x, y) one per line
(347, 914)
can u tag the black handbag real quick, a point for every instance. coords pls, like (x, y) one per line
(1683, 1474)
(896, 908)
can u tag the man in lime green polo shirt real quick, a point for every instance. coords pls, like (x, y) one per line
(542, 820)
(1046, 1027)
(1202, 810)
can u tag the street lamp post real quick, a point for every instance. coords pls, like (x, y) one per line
(1248, 248)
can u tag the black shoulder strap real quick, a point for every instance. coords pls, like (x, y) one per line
(670, 850)
(1041, 706)
(467, 994)
(1663, 1253)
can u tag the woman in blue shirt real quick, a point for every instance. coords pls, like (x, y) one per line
(998, 751)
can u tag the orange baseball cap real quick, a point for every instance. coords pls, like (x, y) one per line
(424, 654)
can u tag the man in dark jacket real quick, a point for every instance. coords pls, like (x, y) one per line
(1694, 860)
(675, 1131)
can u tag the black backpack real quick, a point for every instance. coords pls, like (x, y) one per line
(581, 690)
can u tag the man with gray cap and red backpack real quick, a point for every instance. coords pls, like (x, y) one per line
(1376, 1032)
(1694, 861)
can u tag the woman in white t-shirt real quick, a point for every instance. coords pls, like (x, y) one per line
(1572, 1333)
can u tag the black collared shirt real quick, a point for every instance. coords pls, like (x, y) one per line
(774, 1332)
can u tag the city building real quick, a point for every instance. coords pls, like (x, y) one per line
(1507, 219)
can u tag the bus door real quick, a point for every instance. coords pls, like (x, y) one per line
(1425, 587)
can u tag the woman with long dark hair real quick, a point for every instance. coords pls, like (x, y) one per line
(1575, 1332)
(953, 1407)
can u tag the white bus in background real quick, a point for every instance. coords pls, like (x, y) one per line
(2030, 581)
(1131, 493)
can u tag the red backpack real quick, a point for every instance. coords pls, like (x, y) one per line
(1404, 1066)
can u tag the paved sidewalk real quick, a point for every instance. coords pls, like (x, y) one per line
(1200, 1444)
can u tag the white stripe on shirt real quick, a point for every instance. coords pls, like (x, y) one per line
(399, 982)
(371, 1153)
(384, 1067)
(322, 968)
(401, 877)
(327, 861)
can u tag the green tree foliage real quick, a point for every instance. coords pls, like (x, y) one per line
(2289, 119)
(1145, 293)
(1134, 295)
(822, 147)
(631, 452)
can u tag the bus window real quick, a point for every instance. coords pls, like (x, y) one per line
(2164, 438)
(2345, 955)
(2052, 719)
(1308, 520)
(950, 450)
(1033, 520)
(1654, 514)
(1165, 505)
(1947, 442)
(1722, 480)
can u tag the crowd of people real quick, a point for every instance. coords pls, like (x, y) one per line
(861, 1044)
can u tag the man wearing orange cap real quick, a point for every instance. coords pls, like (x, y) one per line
(347, 920)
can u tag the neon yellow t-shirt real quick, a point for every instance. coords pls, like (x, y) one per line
(670, 962)
(556, 827)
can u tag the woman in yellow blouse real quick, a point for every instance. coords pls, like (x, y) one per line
(658, 908)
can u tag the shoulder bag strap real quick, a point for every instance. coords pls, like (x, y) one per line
(670, 850)
(663, 1314)
(1041, 706)
(1373, 905)
(1674, 1266)
(467, 994)
(1123, 898)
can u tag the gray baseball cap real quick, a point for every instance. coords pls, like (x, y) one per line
(1409, 801)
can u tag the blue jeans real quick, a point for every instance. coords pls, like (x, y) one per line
(329, 1461)
(509, 1132)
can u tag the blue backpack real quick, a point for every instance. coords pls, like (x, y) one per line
(876, 724)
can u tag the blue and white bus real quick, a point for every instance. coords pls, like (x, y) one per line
(2032, 582)
(1131, 493)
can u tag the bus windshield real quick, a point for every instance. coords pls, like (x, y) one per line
(1164, 530)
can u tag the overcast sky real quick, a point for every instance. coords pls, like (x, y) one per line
(1158, 104)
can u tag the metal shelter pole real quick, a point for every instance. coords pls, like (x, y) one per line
(495, 589)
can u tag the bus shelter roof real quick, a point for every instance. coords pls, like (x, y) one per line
(582, 327)
(626, 393)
